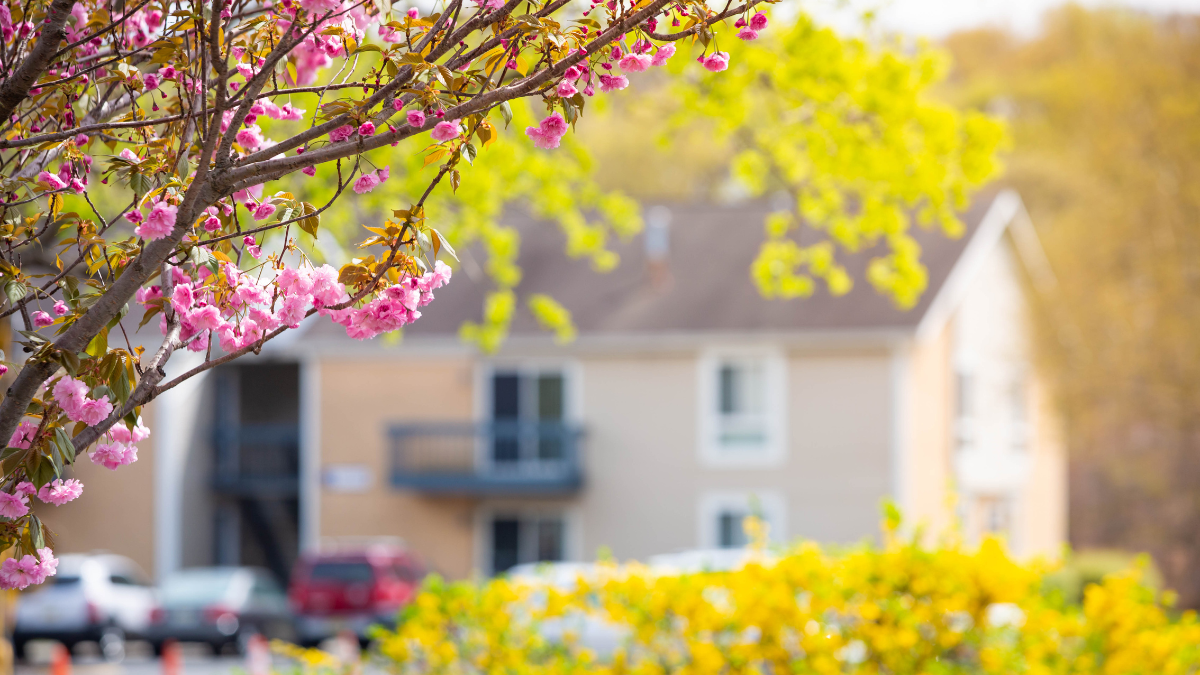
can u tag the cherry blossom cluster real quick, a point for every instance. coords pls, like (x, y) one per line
(29, 570)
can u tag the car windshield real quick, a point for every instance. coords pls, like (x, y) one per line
(342, 572)
(197, 587)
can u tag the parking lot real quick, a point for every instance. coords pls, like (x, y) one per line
(139, 660)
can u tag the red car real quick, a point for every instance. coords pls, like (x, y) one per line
(332, 592)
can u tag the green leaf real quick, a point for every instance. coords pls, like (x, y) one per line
(15, 290)
(311, 220)
(506, 112)
(37, 536)
(98, 347)
(65, 445)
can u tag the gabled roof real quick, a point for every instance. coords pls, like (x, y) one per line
(708, 289)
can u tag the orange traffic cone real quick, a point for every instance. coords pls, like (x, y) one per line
(258, 655)
(172, 658)
(60, 661)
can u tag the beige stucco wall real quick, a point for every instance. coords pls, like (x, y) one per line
(1044, 516)
(115, 512)
(928, 476)
(360, 398)
(646, 479)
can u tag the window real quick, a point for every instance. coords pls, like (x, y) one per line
(528, 411)
(742, 408)
(516, 539)
(1019, 411)
(730, 530)
(723, 516)
(964, 409)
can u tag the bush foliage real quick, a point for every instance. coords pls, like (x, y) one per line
(897, 608)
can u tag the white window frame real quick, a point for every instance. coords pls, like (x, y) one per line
(487, 512)
(570, 370)
(773, 452)
(771, 503)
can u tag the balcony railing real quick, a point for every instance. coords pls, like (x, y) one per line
(257, 460)
(492, 458)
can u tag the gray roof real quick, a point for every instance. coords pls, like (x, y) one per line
(708, 289)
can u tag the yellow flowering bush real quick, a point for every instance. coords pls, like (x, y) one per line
(899, 608)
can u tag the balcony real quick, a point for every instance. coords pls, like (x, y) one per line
(492, 458)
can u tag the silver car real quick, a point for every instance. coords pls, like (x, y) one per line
(100, 598)
(222, 607)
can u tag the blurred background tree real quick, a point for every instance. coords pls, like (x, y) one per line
(1104, 113)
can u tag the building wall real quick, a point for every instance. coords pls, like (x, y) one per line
(116, 511)
(991, 346)
(360, 398)
(646, 481)
(928, 477)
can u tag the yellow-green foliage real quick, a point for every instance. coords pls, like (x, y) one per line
(846, 130)
(898, 609)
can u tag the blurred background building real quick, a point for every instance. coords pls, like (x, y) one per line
(686, 402)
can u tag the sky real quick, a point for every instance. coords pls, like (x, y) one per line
(937, 18)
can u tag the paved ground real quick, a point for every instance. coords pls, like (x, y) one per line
(139, 660)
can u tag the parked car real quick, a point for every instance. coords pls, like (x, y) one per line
(220, 606)
(336, 591)
(101, 598)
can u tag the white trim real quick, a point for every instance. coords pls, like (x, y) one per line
(175, 419)
(773, 504)
(901, 426)
(1003, 210)
(774, 452)
(310, 454)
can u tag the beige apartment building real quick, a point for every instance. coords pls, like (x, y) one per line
(686, 402)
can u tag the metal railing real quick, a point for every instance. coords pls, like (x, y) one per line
(499, 457)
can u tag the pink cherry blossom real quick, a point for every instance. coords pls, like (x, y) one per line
(159, 223)
(717, 61)
(341, 133)
(151, 81)
(366, 183)
(613, 82)
(445, 131)
(565, 89)
(51, 181)
(309, 171)
(415, 118)
(60, 307)
(367, 129)
(264, 210)
(635, 63)
(59, 491)
(42, 319)
(758, 21)
(204, 318)
(112, 455)
(25, 488)
(252, 247)
(413, 13)
(250, 138)
(128, 156)
(212, 224)
(747, 33)
(23, 436)
(13, 506)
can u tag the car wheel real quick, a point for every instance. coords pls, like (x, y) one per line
(112, 644)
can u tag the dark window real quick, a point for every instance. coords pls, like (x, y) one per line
(730, 532)
(506, 396)
(506, 544)
(729, 387)
(549, 540)
(342, 572)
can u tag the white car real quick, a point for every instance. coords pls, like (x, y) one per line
(100, 598)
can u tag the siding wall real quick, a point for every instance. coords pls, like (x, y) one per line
(360, 398)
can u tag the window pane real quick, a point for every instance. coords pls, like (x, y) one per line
(550, 540)
(753, 393)
(506, 539)
(506, 396)
(730, 533)
(550, 397)
(729, 390)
